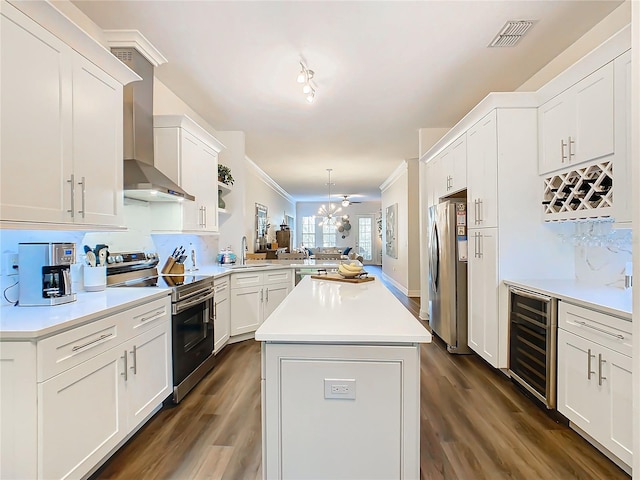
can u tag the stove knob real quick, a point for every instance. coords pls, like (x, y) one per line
(111, 259)
(119, 259)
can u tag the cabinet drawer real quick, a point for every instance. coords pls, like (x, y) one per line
(221, 288)
(277, 276)
(68, 349)
(246, 279)
(603, 329)
(144, 317)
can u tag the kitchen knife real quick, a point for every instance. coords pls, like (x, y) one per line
(175, 252)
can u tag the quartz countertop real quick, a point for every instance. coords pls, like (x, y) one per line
(610, 300)
(31, 323)
(324, 311)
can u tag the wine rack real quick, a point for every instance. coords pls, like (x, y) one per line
(585, 192)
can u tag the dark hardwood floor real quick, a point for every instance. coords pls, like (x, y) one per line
(475, 424)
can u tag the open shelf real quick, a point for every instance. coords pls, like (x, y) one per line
(225, 188)
(224, 211)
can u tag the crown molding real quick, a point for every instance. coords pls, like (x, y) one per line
(395, 175)
(135, 39)
(270, 181)
(190, 125)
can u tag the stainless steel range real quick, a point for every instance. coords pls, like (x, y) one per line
(191, 308)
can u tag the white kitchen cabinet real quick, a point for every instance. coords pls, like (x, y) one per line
(221, 314)
(187, 154)
(577, 125)
(84, 390)
(482, 188)
(74, 109)
(18, 405)
(81, 416)
(595, 377)
(255, 295)
(622, 197)
(433, 181)
(483, 282)
(449, 170)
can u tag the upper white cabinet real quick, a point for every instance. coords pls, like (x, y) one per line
(187, 154)
(577, 126)
(61, 129)
(447, 173)
(482, 189)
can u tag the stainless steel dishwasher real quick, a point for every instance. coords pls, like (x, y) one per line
(533, 343)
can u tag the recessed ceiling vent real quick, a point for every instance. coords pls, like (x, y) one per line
(511, 33)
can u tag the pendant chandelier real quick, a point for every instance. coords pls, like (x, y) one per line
(329, 212)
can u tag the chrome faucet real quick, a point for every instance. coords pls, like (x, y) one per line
(243, 254)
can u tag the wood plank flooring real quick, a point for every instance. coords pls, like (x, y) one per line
(475, 424)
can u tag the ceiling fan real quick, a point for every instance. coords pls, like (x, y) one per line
(346, 202)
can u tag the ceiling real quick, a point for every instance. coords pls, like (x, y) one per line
(383, 69)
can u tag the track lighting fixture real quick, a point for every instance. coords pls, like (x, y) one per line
(305, 77)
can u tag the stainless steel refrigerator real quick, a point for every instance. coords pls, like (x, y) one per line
(448, 273)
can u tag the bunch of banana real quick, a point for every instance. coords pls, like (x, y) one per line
(349, 270)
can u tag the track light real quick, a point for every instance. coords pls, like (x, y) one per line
(311, 96)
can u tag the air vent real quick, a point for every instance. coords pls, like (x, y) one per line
(511, 33)
(124, 55)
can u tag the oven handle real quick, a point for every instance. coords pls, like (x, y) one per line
(181, 306)
(528, 294)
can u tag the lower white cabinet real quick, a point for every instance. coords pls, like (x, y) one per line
(109, 377)
(483, 317)
(221, 314)
(255, 295)
(595, 377)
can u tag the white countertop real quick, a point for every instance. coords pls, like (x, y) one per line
(30, 323)
(610, 300)
(335, 312)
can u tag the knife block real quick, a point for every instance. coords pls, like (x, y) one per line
(172, 268)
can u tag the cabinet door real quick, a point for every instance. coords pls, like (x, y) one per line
(190, 171)
(247, 309)
(578, 396)
(556, 120)
(208, 190)
(482, 166)
(622, 198)
(35, 122)
(81, 415)
(149, 379)
(97, 144)
(274, 295)
(483, 317)
(594, 116)
(222, 316)
(459, 173)
(18, 404)
(618, 383)
(432, 179)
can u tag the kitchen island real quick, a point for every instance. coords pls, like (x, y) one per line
(341, 384)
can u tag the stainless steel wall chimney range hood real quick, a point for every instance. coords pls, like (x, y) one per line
(142, 180)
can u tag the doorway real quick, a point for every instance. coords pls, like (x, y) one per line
(365, 245)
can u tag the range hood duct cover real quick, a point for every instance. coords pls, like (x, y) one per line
(142, 180)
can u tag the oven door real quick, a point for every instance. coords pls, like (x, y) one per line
(192, 337)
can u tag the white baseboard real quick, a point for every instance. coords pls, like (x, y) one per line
(414, 293)
(424, 314)
(400, 287)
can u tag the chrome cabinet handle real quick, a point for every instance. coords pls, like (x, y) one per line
(563, 157)
(261, 296)
(124, 373)
(571, 153)
(101, 337)
(215, 311)
(157, 314)
(600, 376)
(589, 371)
(72, 182)
(134, 367)
(475, 211)
(267, 300)
(585, 324)
(84, 191)
(480, 217)
(479, 245)
(204, 216)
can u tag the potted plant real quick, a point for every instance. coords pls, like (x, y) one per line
(224, 174)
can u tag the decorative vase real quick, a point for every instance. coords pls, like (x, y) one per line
(221, 203)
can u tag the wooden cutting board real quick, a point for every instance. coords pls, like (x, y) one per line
(336, 277)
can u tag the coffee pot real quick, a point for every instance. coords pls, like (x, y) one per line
(44, 271)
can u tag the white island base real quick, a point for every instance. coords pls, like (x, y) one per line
(341, 384)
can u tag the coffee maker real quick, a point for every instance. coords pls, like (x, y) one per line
(45, 273)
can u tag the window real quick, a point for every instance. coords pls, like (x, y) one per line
(329, 234)
(309, 231)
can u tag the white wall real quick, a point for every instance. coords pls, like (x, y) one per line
(232, 226)
(611, 24)
(260, 188)
(306, 209)
(402, 188)
(427, 137)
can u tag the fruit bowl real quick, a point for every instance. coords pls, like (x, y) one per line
(350, 270)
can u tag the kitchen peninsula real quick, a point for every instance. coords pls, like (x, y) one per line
(341, 384)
